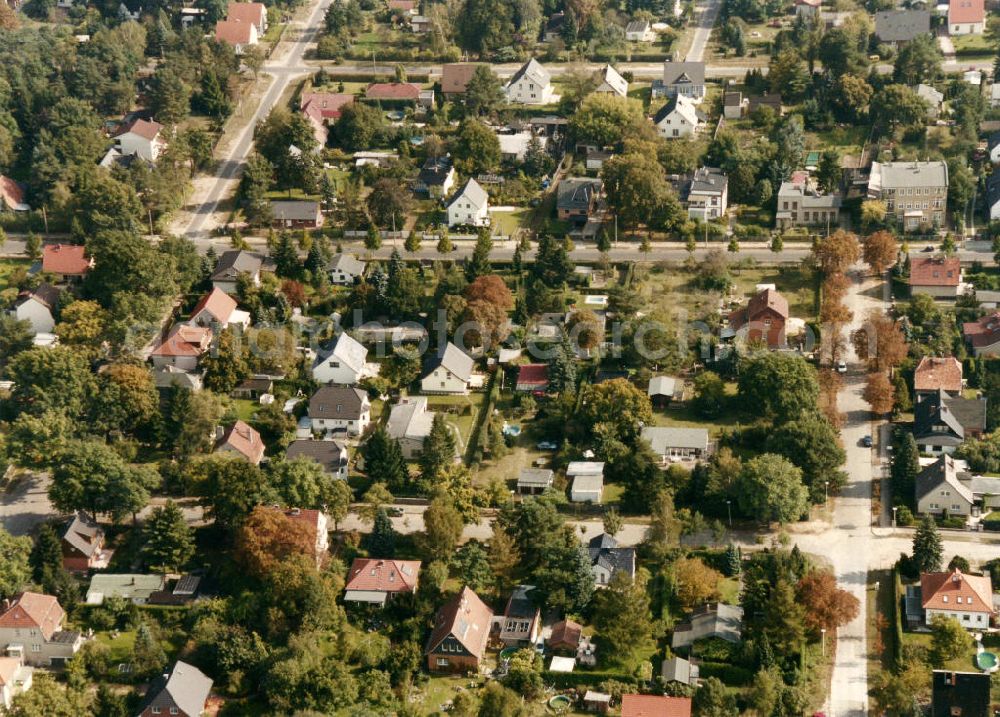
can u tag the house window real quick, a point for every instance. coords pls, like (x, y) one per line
(965, 617)
(958, 599)
(174, 711)
(944, 598)
(442, 662)
(157, 710)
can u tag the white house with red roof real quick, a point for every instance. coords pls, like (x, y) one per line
(144, 138)
(655, 706)
(66, 260)
(15, 679)
(322, 109)
(983, 335)
(254, 13)
(939, 277)
(31, 627)
(182, 348)
(217, 308)
(242, 440)
(967, 598)
(240, 35)
(966, 17)
(376, 581)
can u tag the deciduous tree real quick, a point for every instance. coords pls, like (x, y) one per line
(827, 606)
(695, 582)
(268, 536)
(879, 250)
(770, 488)
(879, 392)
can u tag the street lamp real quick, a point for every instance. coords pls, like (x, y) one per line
(823, 633)
(894, 509)
(826, 492)
(729, 511)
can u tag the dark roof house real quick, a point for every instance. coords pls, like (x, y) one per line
(901, 25)
(960, 694)
(182, 692)
(942, 422)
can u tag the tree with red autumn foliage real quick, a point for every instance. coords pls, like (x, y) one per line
(827, 606)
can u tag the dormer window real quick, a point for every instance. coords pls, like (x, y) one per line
(944, 598)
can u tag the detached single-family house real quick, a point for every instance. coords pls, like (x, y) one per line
(253, 12)
(530, 85)
(677, 444)
(470, 205)
(681, 78)
(534, 481)
(15, 679)
(966, 17)
(322, 109)
(296, 214)
(704, 193)
(733, 105)
(514, 146)
(12, 195)
(521, 624)
(217, 308)
(232, 264)
(802, 204)
(334, 409)
(135, 587)
(995, 95)
(83, 545)
(983, 335)
(253, 388)
(183, 346)
(933, 98)
(941, 422)
(143, 138)
(935, 373)
(461, 631)
(240, 35)
(587, 481)
(409, 424)
(639, 31)
(610, 82)
(940, 489)
(607, 559)
(330, 454)
(769, 101)
(376, 581)
(719, 620)
(396, 94)
(436, 178)
(763, 319)
(957, 694)
(678, 118)
(345, 269)
(345, 363)
(67, 261)
(807, 8)
(533, 378)
(455, 77)
(36, 308)
(565, 637)
(184, 690)
(663, 390)
(243, 440)
(967, 598)
(31, 628)
(896, 26)
(655, 706)
(448, 372)
(939, 277)
(576, 198)
(993, 187)
(677, 669)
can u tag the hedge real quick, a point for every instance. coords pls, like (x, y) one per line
(732, 675)
(897, 618)
(566, 680)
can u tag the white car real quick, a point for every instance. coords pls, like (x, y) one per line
(841, 367)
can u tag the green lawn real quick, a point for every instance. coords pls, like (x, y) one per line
(506, 223)
(684, 416)
(972, 45)
(245, 409)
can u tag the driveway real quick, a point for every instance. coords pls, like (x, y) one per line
(25, 503)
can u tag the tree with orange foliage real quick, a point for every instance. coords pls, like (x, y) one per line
(880, 342)
(491, 289)
(294, 291)
(695, 582)
(880, 251)
(879, 392)
(837, 252)
(268, 536)
(827, 606)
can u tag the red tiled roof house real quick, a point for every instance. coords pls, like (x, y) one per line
(252, 12)
(938, 373)
(376, 581)
(243, 440)
(966, 17)
(939, 277)
(763, 319)
(461, 631)
(533, 377)
(218, 308)
(182, 348)
(31, 627)
(69, 261)
(655, 706)
(983, 335)
(967, 598)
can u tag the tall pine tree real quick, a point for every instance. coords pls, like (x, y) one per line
(927, 548)
(381, 542)
(169, 540)
(438, 451)
(479, 263)
(384, 462)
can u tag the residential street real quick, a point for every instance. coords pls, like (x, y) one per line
(703, 30)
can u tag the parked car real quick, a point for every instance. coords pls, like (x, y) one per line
(547, 446)
(866, 442)
(394, 511)
(841, 367)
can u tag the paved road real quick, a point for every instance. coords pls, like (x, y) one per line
(25, 503)
(197, 220)
(703, 30)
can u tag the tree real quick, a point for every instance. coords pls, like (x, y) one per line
(492, 289)
(226, 365)
(782, 386)
(15, 570)
(639, 194)
(495, 700)
(879, 392)
(51, 379)
(880, 251)
(381, 542)
(438, 450)
(170, 96)
(949, 640)
(442, 528)
(258, 176)
(734, 563)
(897, 106)
(917, 61)
(713, 699)
(389, 203)
(618, 403)
(928, 550)
(900, 692)
(412, 243)
(268, 536)
(813, 444)
(827, 606)
(784, 619)
(770, 488)
(905, 465)
(612, 522)
(475, 148)
(359, 126)
(89, 475)
(622, 617)
(169, 540)
(788, 74)
(837, 252)
(695, 583)
(585, 329)
(127, 400)
(709, 394)
(479, 262)
(880, 342)
(384, 462)
(483, 92)
(49, 699)
(231, 487)
(606, 119)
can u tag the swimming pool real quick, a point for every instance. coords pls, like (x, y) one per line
(986, 661)
(560, 703)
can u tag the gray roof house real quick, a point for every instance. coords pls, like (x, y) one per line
(134, 587)
(450, 371)
(576, 197)
(901, 25)
(677, 669)
(673, 444)
(235, 262)
(296, 213)
(345, 268)
(939, 489)
(184, 691)
(681, 78)
(330, 454)
(532, 481)
(932, 97)
(607, 559)
(719, 620)
(941, 422)
(704, 193)
(409, 424)
(338, 403)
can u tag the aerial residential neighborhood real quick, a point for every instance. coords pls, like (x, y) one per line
(412, 358)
